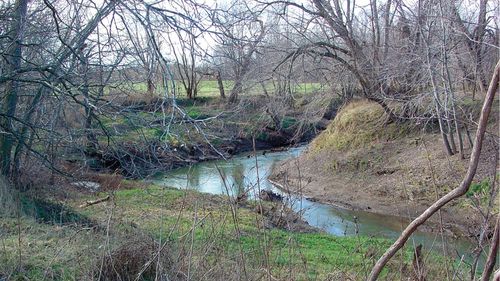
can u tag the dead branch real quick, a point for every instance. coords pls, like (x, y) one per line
(452, 195)
(93, 202)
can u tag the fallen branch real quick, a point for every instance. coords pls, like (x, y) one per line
(93, 202)
(455, 193)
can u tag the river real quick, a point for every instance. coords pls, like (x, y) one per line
(241, 174)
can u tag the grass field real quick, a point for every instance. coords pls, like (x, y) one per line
(206, 236)
(209, 88)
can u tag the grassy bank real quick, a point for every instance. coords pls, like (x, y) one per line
(179, 234)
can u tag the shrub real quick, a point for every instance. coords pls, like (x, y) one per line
(133, 259)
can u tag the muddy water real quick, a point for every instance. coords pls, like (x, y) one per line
(245, 173)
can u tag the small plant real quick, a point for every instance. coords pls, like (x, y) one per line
(478, 189)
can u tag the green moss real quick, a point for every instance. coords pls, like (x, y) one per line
(288, 122)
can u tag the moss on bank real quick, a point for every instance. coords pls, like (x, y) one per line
(358, 124)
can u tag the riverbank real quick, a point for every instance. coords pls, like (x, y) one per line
(143, 231)
(147, 139)
(389, 171)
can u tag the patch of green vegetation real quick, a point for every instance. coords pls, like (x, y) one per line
(478, 189)
(288, 122)
(207, 89)
(308, 87)
(196, 113)
(51, 212)
(290, 250)
(262, 136)
(479, 194)
(204, 227)
(38, 251)
(359, 124)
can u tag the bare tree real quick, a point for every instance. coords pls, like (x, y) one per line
(13, 57)
(473, 40)
(240, 34)
(187, 55)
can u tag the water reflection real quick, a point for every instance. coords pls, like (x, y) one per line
(242, 175)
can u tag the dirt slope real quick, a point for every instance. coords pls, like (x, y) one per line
(385, 172)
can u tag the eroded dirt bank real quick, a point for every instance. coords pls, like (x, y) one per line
(361, 162)
(400, 177)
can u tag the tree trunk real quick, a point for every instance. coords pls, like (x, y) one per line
(460, 140)
(221, 85)
(13, 62)
(238, 86)
(150, 88)
(391, 117)
(437, 106)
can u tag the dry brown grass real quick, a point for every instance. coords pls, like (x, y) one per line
(358, 124)
(135, 257)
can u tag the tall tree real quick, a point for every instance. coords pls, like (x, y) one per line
(12, 64)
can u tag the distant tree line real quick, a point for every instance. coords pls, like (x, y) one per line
(62, 58)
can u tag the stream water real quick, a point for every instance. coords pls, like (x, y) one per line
(241, 174)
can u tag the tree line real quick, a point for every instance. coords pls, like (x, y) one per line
(416, 59)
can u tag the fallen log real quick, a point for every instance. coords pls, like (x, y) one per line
(93, 202)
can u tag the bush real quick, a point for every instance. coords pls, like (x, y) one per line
(131, 259)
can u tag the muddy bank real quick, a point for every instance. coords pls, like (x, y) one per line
(141, 160)
(140, 142)
(396, 178)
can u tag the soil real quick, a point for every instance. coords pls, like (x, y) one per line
(401, 177)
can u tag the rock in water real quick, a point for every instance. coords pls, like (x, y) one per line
(268, 195)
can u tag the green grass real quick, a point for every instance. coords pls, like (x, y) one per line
(73, 251)
(210, 88)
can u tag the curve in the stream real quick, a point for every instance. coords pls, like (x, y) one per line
(240, 175)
